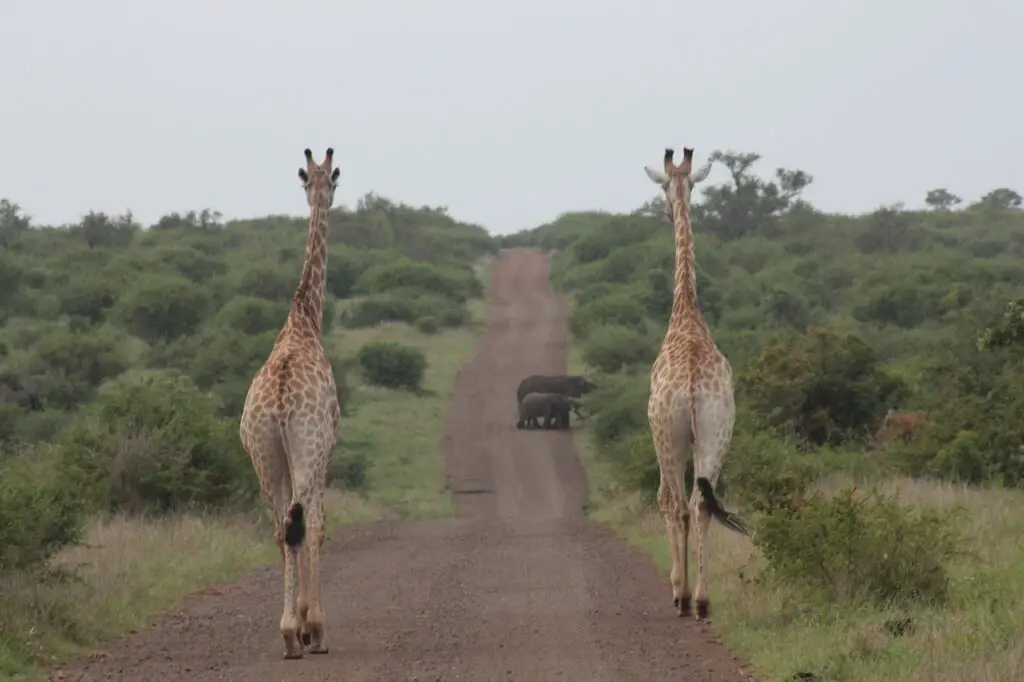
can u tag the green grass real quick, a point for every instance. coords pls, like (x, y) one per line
(400, 430)
(977, 636)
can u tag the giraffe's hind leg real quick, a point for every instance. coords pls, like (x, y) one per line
(303, 603)
(715, 420)
(317, 639)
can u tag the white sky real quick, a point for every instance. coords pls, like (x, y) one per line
(507, 112)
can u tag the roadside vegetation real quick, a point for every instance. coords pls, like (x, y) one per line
(125, 356)
(881, 550)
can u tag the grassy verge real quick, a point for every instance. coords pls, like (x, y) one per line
(400, 429)
(977, 636)
(129, 570)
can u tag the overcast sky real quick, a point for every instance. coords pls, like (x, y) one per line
(509, 113)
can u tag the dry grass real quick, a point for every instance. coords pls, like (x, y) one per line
(127, 571)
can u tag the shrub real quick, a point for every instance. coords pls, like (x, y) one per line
(393, 365)
(404, 306)
(156, 446)
(163, 307)
(89, 299)
(620, 309)
(851, 547)
(634, 462)
(452, 283)
(611, 347)
(825, 387)
(348, 466)
(70, 366)
(428, 324)
(268, 281)
(768, 472)
(619, 407)
(42, 511)
(251, 315)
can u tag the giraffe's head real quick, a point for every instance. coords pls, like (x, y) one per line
(319, 179)
(677, 181)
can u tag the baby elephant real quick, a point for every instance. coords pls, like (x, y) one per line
(552, 407)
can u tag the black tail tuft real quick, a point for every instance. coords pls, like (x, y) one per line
(295, 526)
(727, 519)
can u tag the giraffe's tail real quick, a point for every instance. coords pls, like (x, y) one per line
(295, 518)
(295, 525)
(727, 519)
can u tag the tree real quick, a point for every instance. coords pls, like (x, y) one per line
(1007, 331)
(750, 205)
(1002, 199)
(941, 199)
(12, 222)
(100, 230)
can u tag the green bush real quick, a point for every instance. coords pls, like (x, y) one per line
(393, 365)
(160, 307)
(623, 309)
(156, 446)
(768, 474)
(851, 547)
(428, 324)
(89, 299)
(824, 386)
(251, 315)
(69, 366)
(42, 510)
(348, 467)
(270, 282)
(619, 407)
(404, 306)
(610, 348)
(455, 284)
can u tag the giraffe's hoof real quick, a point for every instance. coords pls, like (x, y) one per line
(320, 649)
(682, 604)
(703, 609)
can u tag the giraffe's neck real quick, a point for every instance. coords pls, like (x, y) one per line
(684, 297)
(308, 302)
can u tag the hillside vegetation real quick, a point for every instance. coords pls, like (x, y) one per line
(881, 550)
(125, 357)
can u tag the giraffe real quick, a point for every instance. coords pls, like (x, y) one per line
(289, 426)
(691, 405)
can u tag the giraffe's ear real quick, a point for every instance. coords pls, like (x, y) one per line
(304, 176)
(701, 173)
(335, 175)
(657, 177)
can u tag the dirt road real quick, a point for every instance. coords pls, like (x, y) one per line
(519, 587)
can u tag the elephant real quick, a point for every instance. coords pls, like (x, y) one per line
(573, 385)
(554, 408)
